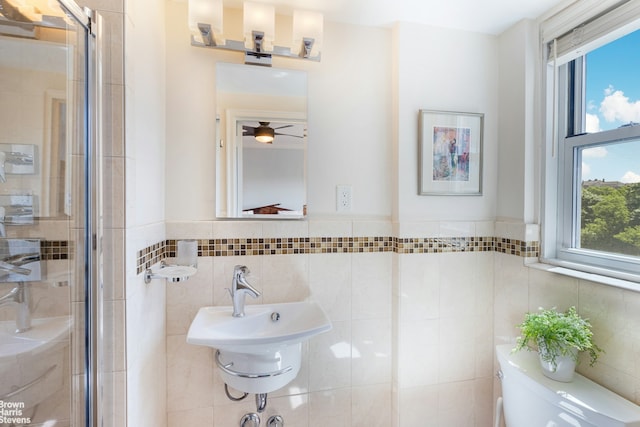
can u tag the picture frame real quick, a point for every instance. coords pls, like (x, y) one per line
(450, 153)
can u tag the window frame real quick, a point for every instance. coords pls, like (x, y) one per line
(566, 100)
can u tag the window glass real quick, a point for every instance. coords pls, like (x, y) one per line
(610, 207)
(610, 173)
(612, 86)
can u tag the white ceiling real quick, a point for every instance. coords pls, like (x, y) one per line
(484, 16)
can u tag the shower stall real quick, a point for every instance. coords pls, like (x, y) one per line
(52, 367)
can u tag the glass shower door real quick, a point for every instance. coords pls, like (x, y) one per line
(47, 299)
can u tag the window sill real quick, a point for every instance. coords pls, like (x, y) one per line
(631, 283)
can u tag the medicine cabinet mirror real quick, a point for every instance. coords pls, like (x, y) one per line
(261, 179)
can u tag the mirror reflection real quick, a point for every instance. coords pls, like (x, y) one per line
(34, 152)
(262, 142)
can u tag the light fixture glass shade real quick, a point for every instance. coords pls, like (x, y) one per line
(259, 17)
(206, 12)
(265, 139)
(307, 24)
(264, 133)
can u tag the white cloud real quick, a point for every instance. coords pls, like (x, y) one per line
(586, 171)
(630, 178)
(593, 123)
(595, 152)
(616, 106)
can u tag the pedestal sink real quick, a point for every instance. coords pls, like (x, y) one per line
(261, 351)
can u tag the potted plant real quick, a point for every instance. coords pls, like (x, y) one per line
(559, 338)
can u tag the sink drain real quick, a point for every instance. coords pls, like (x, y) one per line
(275, 316)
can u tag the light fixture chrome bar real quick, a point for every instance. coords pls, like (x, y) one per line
(257, 58)
(258, 38)
(261, 58)
(205, 21)
(306, 46)
(207, 36)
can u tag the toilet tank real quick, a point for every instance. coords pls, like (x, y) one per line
(532, 400)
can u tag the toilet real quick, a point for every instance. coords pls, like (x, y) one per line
(529, 399)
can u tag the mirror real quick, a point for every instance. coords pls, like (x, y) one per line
(34, 144)
(261, 179)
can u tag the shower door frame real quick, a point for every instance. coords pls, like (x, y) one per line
(91, 22)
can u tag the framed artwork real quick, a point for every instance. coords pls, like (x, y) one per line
(450, 153)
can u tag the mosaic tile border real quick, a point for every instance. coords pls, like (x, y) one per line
(151, 255)
(50, 250)
(517, 247)
(55, 250)
(444, 244)
(322, 245)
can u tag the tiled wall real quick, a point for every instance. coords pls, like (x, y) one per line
(413, 332)
(345, 377)
(405, 313)
(613, 312)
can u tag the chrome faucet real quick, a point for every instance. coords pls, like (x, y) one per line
(14, 263)
(239, 288)
(20, 297)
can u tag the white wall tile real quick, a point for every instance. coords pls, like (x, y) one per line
(237, 229)
(330, 228)
(457, 229)
(330, 358)
(371, 357)
(372, 228)
(371, 406)
(371, 285)
(511, 290)
(456, 348)
(190, 375)
(330, 408)
(419, 287)
(190, 230)
(285, 278)
(184, 299)
(283, 229)
(330, 281)
(418, 338)
(418, 406)
(191, 417)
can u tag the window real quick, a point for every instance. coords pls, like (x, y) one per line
(596, 226)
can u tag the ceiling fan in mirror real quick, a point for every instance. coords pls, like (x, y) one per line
(265, 133)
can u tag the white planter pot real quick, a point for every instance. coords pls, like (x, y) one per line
(564, 368)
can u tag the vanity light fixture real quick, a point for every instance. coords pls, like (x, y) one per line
(205, 24)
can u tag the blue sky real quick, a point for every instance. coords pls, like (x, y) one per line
(613, 99)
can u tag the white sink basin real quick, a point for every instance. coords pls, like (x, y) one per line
(260, 352)
(32, 362)
(44, 333)
(257, 330)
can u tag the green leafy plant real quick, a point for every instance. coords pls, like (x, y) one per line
(562, 334)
